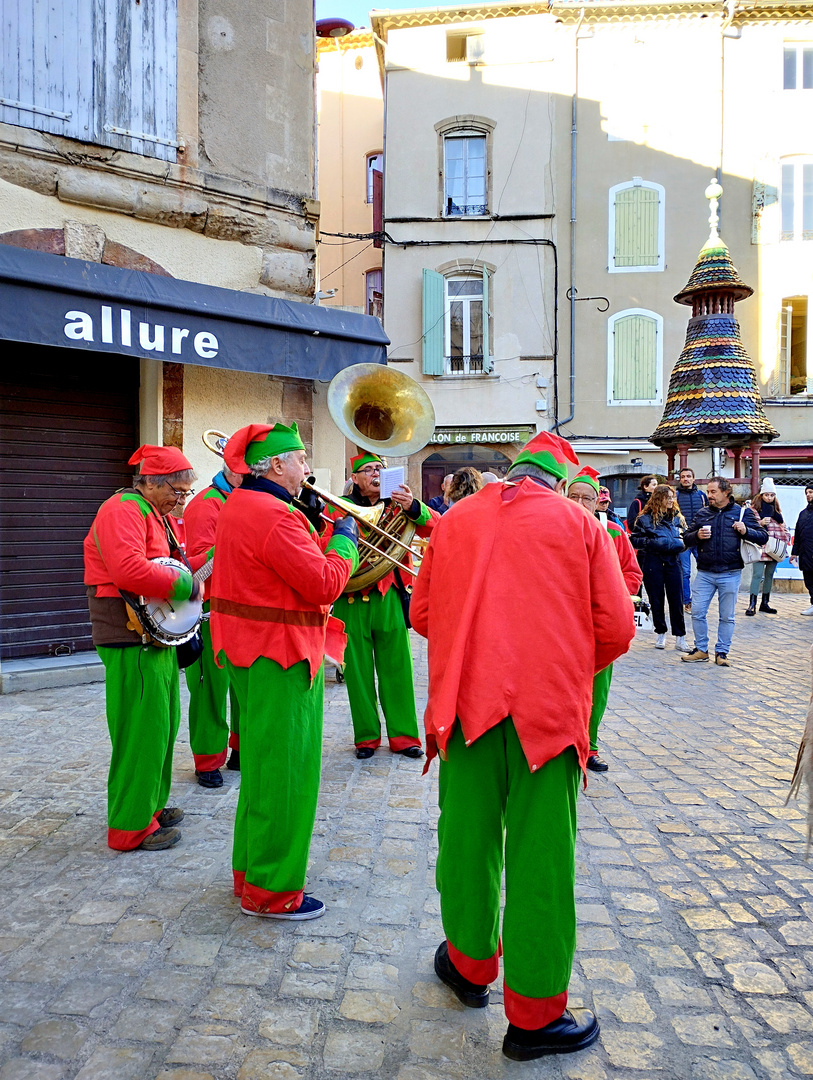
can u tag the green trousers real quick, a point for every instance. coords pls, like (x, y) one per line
(142, 701)
(210, 695)
(378, 643)
(494, 810)
(280, 767)
(601, 693)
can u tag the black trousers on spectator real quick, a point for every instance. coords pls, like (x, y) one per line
(808, 576)
(664, 576)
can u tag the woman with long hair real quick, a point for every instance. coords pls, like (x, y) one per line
(645, 488)
(766, 507)
(657, 536)
(464, 482)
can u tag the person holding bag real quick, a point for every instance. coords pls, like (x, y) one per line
(657, 537)
(766, 507)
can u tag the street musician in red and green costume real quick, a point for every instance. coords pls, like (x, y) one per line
(377, 636)
(584, 488)
(522, 599)
(210, 695)
(142, 698)
(273, 584)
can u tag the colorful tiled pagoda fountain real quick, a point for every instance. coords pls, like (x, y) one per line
(713, 398)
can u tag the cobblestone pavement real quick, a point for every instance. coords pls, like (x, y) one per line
(695, 902)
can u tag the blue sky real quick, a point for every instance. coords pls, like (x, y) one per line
(358, 11)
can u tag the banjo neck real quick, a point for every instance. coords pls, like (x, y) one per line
(205, 571)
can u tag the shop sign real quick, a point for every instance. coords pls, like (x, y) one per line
(458, 436)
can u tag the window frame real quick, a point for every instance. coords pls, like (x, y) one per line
(458, 127)
(466, 301)
(658, 267)
(799, 48)
(611, 323)
(368, 279)
(370, 159)
(802, 168)
(783, 369)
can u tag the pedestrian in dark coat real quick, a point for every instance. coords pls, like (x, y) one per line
(802, 551)
(657, 537)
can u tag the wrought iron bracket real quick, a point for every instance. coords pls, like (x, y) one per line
(571, 295)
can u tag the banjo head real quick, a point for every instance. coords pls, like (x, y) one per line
(171, 622)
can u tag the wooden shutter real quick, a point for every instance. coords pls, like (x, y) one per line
(636, 227)
(433, 318)
(635, 358)
(781, 369)
(378, 205)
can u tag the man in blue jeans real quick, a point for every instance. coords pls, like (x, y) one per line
(690, 500)
(716, 532)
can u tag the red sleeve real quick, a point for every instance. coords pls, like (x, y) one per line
(633, 577)
(120, 535)
(298, 559)
(200, 519)
(419, 604)
(610, 601)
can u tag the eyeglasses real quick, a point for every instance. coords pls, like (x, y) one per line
(180, 495)
(370, 470)
(589, 499)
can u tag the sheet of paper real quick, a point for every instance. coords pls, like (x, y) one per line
(390, 480)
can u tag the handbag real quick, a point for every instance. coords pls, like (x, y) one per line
(749, 551)
(778, 541)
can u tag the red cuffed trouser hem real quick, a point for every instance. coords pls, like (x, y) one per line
(257, 899)
(533, 1013)
(239, 881)
(126, 839)
(401, 742)
(234, 741)
(479, 972)
(209, 762)
(373, 744)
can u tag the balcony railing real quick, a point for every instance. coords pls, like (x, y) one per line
(465, 365)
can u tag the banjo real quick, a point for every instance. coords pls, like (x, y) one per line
(167, 622)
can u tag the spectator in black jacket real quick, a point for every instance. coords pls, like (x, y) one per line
(657, 539)
(690, 499)
(717, 531)
(802, 551)
(645, 489)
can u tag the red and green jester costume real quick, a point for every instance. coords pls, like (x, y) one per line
(142, 698)
(378, 644)
(210, 695)
(271, 591)
(511, 666)
(633, 579)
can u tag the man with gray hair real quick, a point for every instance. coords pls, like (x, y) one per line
(142, 698)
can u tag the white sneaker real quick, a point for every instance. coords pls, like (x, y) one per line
(680, 645)
(661, 642)
(807, 611)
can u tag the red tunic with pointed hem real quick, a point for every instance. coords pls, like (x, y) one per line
(273, 584)
(200, 519)
(522, 598)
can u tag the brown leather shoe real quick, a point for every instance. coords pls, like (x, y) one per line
(696, 656)
(721, 660)
(160, 840)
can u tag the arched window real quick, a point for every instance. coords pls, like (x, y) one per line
(635, 358)
(457, 321)
(465, 165)
(636, 234)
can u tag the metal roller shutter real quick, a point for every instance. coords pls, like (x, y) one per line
(68, 424)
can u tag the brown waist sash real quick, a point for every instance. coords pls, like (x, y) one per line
(268, 614)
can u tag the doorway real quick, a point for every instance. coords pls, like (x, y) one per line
(438, 465)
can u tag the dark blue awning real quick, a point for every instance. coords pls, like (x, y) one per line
(52, 300)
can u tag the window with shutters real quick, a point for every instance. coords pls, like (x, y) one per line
(375, 163)
(375, 292)
(102, 71)
(790, 374)
(636, 234)
(457, 323)
(635, 358)
(796, 200)
(797, 68)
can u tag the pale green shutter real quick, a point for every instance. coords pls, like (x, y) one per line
(782, 367)
(486, 320)
(636, 227)
(635, 359)
(433, 319)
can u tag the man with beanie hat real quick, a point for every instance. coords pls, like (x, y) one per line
(210, 695)
(377, 636)
(271, 591)
(584, 488)
(142, 697)
(512, 659)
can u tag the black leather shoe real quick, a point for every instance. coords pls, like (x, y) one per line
(411, 751)
(765, 607)
(210, 779)
(169, 816)
(469, 993)
(596, 764)
(234, 761)
(363, 752)
(573, 1031)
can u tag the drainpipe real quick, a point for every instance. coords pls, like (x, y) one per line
(573, 134)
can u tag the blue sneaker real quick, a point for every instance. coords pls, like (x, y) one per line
(310, 908)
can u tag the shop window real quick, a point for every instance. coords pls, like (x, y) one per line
(635, 358)
(456, 323)
(796, 201)
(101, 71)
(375, 163)
(464, 175)
(375, 293)
(798, 66)
(636, 234)
(791, 372)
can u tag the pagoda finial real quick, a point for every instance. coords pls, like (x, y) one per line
(713, 193)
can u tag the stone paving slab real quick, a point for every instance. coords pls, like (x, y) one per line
(695, 901)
